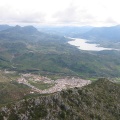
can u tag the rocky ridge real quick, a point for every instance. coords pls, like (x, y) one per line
(97, 101)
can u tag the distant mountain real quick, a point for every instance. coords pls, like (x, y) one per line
(19, 43)
(27, 33)
(103, 33)
(4, 27)
(98, 101)
(69, 31)
(22, 30)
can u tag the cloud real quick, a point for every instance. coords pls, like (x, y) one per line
(64, 12)
(110, 20)
(68, 15)
(10, 15)
(74, 15)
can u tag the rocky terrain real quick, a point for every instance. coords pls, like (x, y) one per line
(97, 101)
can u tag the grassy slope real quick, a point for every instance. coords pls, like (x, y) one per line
(10, 90)
(75, 63)
(98, 101)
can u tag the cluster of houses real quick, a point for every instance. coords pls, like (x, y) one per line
(59, 84)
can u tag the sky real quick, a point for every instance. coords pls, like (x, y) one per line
(60, 12)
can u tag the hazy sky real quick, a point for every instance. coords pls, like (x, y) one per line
(60, 12)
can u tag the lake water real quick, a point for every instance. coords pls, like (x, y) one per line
(84, 45)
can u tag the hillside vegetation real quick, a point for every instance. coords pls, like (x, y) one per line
(97, 101)
(25, 49)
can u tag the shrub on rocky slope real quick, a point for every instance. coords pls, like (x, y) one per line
(97, 101)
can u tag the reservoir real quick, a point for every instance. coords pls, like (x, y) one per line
(83, 44)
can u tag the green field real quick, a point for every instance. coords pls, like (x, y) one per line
(40, 85)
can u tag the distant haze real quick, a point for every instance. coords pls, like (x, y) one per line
(60, 12)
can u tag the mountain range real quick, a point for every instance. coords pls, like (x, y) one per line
(4, 27)
(69, 31)
(103, 33)
(26, 49)
(105, 36)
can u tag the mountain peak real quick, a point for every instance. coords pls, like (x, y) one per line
(30, 29)
(4, 27)
(22, 30)
(17, 26)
